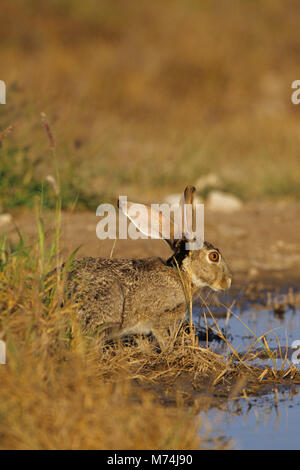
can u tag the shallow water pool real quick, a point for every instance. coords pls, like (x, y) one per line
(271, 421)
(260, 423)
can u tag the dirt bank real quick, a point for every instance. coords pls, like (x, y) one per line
(261, 243)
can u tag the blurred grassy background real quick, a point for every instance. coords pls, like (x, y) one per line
(146, 97)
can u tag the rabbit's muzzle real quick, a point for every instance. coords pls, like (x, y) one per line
(223, 284)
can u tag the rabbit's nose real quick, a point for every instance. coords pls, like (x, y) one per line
(226, 282)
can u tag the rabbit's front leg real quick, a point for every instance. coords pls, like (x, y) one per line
(162, 337)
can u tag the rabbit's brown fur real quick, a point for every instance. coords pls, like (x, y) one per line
(125, 296)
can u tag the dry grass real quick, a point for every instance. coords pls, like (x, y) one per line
(47, 405)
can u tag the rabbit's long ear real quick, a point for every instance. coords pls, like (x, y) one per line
(188, 211)
(149, 221)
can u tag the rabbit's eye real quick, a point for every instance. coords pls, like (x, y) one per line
(214, 256)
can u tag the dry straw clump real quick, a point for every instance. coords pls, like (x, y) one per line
(73, 409)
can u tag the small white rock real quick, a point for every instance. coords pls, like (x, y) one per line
(210, 180)
(5, 219)
(223, 202)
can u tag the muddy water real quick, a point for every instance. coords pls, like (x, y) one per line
(271, 421)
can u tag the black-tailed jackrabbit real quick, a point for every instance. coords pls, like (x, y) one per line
(128, 296)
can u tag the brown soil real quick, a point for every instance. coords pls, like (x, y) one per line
(261, 243)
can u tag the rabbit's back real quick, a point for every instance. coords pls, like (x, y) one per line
(125, 294)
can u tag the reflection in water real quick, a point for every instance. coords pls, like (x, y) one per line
(244, 329)
(271, 421)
